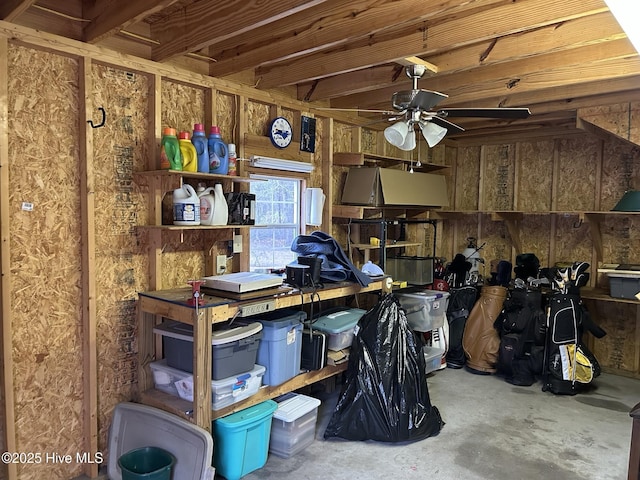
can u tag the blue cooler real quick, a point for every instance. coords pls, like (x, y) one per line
(281, 345)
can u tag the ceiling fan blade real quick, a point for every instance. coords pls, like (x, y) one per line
(452, 127)
(416, 99)
(358, 110)
(485, 112)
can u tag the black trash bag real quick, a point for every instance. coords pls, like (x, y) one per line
(385, 396)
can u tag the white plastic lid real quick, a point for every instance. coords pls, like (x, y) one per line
(295, 407)
(182, 331)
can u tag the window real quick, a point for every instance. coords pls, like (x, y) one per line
(278, 214)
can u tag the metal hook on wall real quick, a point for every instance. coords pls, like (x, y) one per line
(104, 119)
(577, 223)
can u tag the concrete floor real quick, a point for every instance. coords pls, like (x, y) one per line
(493, 430)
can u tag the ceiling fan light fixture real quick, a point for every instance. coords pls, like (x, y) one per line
(432, 133)
(410, 142)
(396, 134)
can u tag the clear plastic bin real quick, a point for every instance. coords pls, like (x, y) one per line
(426, 310)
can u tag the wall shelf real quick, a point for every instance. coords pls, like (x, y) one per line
(349, 159)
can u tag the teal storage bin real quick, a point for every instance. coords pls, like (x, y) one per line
(242, 440)
(281, 347)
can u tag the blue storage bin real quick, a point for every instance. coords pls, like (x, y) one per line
(281, 346)
(242, 440)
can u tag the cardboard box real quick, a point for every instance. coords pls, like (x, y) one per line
(375, 186)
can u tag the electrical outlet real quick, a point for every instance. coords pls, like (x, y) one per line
(221, 264)
(237, 244)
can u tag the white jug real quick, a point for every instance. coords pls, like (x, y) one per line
(221, 210)
(207, 205)
(186, 206)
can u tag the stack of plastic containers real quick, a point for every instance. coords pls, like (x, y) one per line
(235, 374)
(427, 312)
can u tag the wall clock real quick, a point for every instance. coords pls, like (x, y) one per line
(280, 132)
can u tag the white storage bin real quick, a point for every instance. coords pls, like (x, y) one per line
(227, 391)
(293, 427)
(165, 377)
(432, 357)
(223, 392)
(426, 310)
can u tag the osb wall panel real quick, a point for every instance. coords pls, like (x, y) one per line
(621, 239)
(182, 106)
(572, 240)
(120, 148)
(620, 172)
(342, 137)
(534, 176)
(617, 349)
(226, 107)
(497, 242)
(466, 180)
(258, 117)
(45, 262)
(369, 141)
(535, 231)
(576, 182)
(620, 119)
(497, 177)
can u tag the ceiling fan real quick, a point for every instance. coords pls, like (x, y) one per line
(415, 108)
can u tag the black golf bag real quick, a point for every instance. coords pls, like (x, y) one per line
(521, 326)
(569, 366)
(461, 302)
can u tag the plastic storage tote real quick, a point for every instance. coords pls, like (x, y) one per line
(224, 392)
(242, 440)
(293, 426)
(135, 426)
(233, 350)
(426, 310)
(340, 326)
(281, 346)
(227, 391)
(433, 358)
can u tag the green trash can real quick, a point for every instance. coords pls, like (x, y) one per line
(147, 463)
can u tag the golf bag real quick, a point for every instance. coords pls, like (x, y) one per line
(521, 327)
(568, 365)
(461, 302)
(480, 339)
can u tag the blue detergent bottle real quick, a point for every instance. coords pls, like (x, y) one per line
(218, 153)
(199, 140)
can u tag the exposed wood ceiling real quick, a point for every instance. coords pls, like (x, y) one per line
(551, 56)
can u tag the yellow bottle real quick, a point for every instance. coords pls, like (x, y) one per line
(189, 153)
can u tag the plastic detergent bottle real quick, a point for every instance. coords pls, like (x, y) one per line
(233, 167)
(218, 153)
(207, 204)
(170, 157)
(189, 154)
(186, 206)
(199, 140)
(221, 210)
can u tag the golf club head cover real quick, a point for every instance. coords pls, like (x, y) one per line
(503, 275)
(527, 265)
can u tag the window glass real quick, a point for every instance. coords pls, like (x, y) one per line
(278, 217)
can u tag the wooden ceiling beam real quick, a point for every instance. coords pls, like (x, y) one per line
(328, 25)
(458, 32)
(553, 38)
(11, 9)
(199, 24)
(108, 17)
(601, 61)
